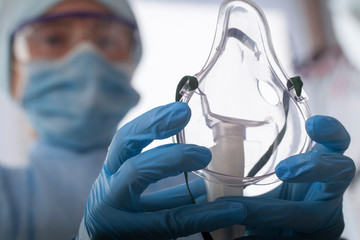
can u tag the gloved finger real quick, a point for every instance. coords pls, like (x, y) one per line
(182, 221)
(158, 123)
(335, 170)
(173, 197)
(328, 132)
(134, 176)
(300, 216)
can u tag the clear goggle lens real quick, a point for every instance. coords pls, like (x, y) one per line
(52, 37)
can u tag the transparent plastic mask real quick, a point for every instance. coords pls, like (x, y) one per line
(245, 109)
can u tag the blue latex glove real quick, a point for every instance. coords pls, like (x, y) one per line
(117, 210)
(308, 205)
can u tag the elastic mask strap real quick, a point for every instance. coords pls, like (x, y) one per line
(295, 84)
(188, 83)
(265, 158)
(292, 84)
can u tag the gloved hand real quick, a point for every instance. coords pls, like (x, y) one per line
(117, 210)
(308, 204)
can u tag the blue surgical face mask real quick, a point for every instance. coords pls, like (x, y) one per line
(78, 101)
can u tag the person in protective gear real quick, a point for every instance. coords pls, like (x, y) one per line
(46, 199)
(68, 65)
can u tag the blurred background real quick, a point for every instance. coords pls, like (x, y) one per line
(312, 38)
(177, 38)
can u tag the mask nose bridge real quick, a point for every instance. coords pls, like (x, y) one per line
(91, 79)
(92, 88)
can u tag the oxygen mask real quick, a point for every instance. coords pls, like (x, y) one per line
(244, 106)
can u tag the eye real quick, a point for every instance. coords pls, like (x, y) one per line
(54, 39)
(106, 42)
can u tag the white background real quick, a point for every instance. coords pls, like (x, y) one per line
(177, 38)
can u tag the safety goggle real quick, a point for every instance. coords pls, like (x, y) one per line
(51, 37)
